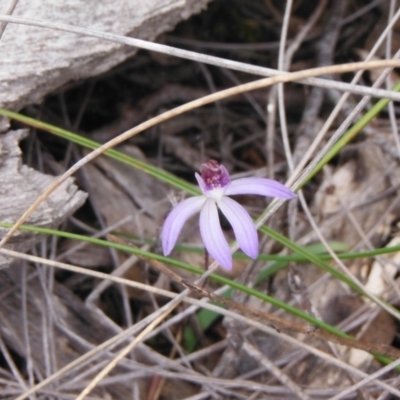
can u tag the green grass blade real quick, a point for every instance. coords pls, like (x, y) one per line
(114, 154)
(350, 134)
(170, 261)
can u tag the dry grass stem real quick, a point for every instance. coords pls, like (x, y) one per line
(220, 62)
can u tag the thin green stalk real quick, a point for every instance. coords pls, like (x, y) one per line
(317, 261)
(187, 267)
(114, 154)
(350, 134)
(322, 255)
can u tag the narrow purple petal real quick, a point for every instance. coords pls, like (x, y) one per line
(201, 183)
(261, 186)
(175, 220)
(242, 224)
(212, 235)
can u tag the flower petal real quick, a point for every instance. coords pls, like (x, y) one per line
(175, 220)
(242, 224)
(261, 186)
(201, 183)
(212, 235)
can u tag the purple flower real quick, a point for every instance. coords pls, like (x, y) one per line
(216, 185)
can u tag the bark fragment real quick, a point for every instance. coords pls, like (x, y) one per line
(20, 185)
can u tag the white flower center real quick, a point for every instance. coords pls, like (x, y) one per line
(216, 193)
